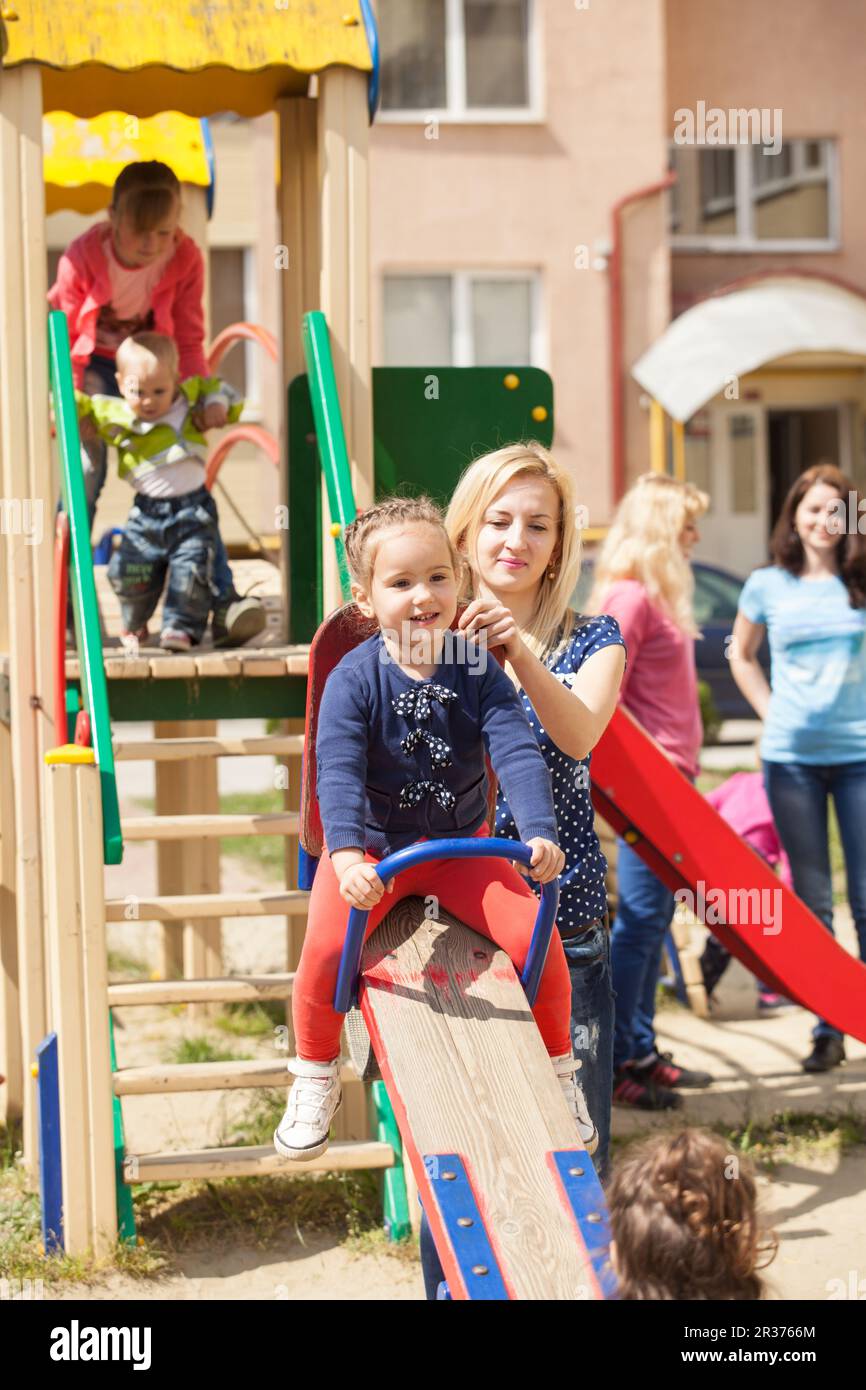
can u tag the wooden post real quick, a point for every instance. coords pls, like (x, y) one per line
(345, 276)
(297, 263)
(658, 462)
(188, 866)
(678, 431)
(68, 1016)
(26, 484)
(100, 1096)
(11, 1061)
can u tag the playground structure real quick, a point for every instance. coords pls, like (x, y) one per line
(351, 430)
(60, 811)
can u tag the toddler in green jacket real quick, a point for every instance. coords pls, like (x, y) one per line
(172, 529)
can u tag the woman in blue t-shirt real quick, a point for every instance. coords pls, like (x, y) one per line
(812, 603)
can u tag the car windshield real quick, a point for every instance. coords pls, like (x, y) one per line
(716, 593)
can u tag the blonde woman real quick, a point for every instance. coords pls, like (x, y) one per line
(643, 578)
(513, 517)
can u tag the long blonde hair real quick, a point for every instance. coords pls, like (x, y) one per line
(483, 481)
(643, 544)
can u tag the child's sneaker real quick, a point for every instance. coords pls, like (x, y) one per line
(171, 639)
(660, 1069)
(769, 1002)
(314, 1100)
(131, 641)
(236, 620)
(629, 1090)
(565, 1067)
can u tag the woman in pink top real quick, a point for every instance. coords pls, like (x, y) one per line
(644, 580)
(133, 272)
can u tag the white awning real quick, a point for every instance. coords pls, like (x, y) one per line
(725, 337)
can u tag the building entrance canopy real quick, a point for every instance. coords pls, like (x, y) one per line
(724, 338)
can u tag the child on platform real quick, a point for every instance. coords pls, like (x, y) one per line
(684, 1221)
(136, 271)
(172, 530)
(404, 721)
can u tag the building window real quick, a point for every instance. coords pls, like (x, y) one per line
(463, 319)
(232, 296)
(458, 59)
(740, 198)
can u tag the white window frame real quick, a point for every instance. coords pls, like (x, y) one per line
(455, 111)
(746, 195)
(462, 345)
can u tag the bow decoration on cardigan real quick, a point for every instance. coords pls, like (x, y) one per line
(419, 699)
(440, 752)
(414, 791)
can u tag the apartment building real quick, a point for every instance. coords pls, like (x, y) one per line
(520, 213)
(517, 216)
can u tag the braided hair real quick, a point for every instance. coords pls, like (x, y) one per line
(390, 513)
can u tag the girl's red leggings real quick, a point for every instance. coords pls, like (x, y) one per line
(489, 895)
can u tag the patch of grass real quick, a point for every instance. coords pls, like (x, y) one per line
(201, 1049)
(10, 1144)
(259, 1120)
(266, 852)
(253, 1020)
(21, 1251)
(258, 1211)
(129, 967)
(786, 1137)
(789, 1135)
(377, 1242)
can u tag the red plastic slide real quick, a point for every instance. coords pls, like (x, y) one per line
(677, 833)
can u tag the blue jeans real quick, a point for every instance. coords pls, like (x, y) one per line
(173, 537)
(592, 998)
(644, 911)
(99, 379)
(799, 794)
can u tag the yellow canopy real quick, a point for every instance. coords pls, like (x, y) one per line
(83, 158)
(188, 55)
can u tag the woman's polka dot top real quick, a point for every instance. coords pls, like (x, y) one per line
(582, 896)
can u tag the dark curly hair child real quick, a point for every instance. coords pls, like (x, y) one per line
(684, 1222)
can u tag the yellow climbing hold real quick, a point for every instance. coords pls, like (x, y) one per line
(69, 753)
(511, 381)
(336, 528)
(631, 837)
(34, 1069)
(539, 412)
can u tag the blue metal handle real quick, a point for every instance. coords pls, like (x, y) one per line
(350, 961)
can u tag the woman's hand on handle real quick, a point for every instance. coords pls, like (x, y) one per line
(547, 862)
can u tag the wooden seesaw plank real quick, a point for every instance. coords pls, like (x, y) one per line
(468, 1074)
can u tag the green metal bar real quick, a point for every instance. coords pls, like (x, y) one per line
(330, 434)
(125, 1209)
(85, 609)
(396, 1200)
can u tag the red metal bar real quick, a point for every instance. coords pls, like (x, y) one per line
(252, 332)
(617, 366)
(241, 434)
(61, 591)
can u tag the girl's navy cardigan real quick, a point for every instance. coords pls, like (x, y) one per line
(399, 759)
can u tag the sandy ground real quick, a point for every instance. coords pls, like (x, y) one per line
(818, 1206)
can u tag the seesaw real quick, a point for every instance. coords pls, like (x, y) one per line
(689, 846)
(512, 1198)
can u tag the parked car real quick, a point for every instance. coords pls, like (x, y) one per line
(717, 593)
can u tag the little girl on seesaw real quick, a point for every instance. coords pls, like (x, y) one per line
(404, 722)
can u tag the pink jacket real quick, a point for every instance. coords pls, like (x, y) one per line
(742, 802)
(82, 287)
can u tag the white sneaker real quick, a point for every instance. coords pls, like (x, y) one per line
(314, 1100)
(565, 1067)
